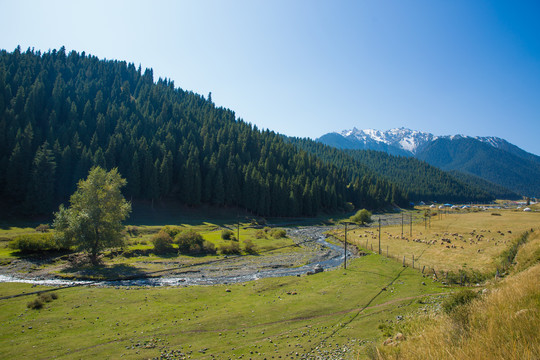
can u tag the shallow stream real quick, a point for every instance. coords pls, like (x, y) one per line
(233, 270)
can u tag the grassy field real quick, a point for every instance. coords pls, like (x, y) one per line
(457, 241)
(269, 317)
(502, 322)
(138, 255)
(334, 314)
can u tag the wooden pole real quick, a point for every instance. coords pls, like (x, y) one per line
(379, 236)
(345, 262)
(411, 226)
(402, 225)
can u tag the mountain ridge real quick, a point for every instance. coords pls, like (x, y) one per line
(488, 157)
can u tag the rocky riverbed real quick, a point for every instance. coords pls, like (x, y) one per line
(313, 254)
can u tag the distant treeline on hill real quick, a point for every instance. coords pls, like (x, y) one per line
(61, 114)
(422, 181)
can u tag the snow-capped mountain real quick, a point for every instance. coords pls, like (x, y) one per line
(406, 140)
(491, 158)
(403, 141)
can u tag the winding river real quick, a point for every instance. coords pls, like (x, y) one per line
(326, 256)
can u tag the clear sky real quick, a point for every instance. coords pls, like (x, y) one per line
(305, 68)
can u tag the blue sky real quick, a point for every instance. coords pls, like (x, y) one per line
(305, 68)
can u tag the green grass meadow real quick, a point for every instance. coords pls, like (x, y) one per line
(257, 319)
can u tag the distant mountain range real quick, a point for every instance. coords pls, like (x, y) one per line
(490, 158)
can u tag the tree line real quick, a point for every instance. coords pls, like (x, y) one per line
(62, 114)
(421, 180)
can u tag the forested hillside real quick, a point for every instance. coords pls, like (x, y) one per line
(421, 180)
(498, 191)
(513, 169)
(61, 114)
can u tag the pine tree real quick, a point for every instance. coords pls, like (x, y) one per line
(40, 197)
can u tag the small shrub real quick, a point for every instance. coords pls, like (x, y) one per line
(278, 233)
(227, 234)
(209, 248)
(172, 230)
(195, 249)
(362, 216)
(48, 297)
(43, 228)
(229, 248)
(260, 234)
(458, 299)
(267, 229)
(495, 214)
(188, 240)
(162, 243)
(35, 304)
(250, 247)
(133, 231)
(42, 298)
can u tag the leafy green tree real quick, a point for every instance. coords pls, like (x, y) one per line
(361, 217)
(93, 222)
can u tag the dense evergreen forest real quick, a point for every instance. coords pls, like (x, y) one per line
(422, 181)
(498, 191)
(508, 166)
(61, 114)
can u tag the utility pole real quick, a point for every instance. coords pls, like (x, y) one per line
(411, 226)
(345, 262)
(402, 225)
(379, 235)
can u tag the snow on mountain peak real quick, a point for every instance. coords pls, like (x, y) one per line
(402, 138)
(407, 140)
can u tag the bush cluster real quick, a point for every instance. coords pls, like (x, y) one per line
(278, 233)
(250, 247)
(260, 234)
(230, 248)
(227, 235)
(162, 243)
(43, 228)
(31, 243)
(133, 231)
(172, 230)
(42, 298)
(191, 242)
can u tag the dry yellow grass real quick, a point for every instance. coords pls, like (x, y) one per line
(529, 253)
(502, 324)
(469, 241)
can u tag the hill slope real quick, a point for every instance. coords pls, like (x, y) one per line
(63, 113)
(481, 159)
(421, 180)
(490, 158)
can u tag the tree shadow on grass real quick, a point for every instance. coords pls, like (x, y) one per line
(103, 272)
